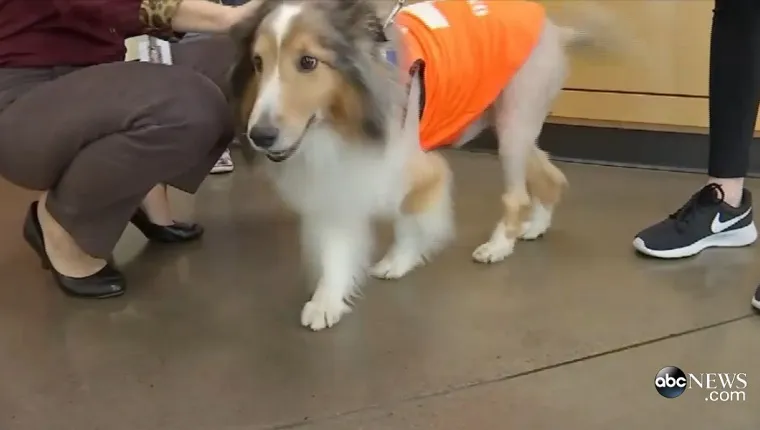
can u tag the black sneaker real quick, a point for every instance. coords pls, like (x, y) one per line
(756, 299)
(704, 221)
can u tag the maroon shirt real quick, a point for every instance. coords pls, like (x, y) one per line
(44, 33)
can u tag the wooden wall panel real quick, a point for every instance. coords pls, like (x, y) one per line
(660, 77)
(632, 108)
(663, 45)
(636, 110)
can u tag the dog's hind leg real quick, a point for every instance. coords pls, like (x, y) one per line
(533, 184)
(515, 147)
(545, 185)
(425, 222)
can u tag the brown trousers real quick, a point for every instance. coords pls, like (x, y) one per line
(99, 138)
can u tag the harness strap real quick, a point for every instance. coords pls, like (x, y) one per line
(392, 15)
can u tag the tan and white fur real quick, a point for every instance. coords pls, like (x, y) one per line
(314, 94)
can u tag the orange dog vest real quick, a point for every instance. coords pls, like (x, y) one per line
(471, 49)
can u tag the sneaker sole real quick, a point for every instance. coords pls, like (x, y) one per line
(222, 169)
(730, 239)
(756, 304)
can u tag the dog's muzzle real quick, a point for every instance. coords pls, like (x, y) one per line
(264, 137)
(280, 156)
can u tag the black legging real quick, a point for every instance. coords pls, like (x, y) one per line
(734, 85)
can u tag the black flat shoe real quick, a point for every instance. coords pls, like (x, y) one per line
(177, 232)
(107, 282)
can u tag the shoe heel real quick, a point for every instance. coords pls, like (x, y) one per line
(32, 234)
(141, 221)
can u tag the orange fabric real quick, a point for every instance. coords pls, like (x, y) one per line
(471, 50)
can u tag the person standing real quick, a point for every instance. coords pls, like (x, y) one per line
(720, 214)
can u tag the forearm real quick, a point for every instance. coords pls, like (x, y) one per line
(158, 17)
(202, 16)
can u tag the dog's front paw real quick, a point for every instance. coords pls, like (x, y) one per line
(493, 251)
(395, 265)
(318, 315)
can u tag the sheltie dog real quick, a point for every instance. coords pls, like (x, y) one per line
(346, 112)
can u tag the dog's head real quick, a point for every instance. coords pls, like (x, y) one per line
(304, 64)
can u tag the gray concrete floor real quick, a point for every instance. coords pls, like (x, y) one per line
(567, 334)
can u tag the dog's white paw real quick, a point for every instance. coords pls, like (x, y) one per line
(540, 221)
(395, 265)
(493, 251)
(318, 315)
(533, 231)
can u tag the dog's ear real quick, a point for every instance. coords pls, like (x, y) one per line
(360, 17)
(374, 111)
(241, 80)
(240, 76)
(357, 33)
(367, 100)
(358, 109)
(243, 89)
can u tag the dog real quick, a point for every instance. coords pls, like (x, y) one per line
(347, 111)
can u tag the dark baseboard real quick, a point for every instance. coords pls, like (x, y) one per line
(621, 147)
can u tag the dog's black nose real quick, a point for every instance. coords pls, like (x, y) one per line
(263, 136)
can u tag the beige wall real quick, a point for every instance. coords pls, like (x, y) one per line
(662, 73)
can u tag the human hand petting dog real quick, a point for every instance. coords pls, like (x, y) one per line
(203, 16)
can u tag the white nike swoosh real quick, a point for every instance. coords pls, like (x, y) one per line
(718, 226)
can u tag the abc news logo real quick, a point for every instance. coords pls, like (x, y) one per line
(671, 382)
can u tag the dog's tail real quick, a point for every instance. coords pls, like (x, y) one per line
(594, 28)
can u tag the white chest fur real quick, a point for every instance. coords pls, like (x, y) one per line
(338, 187)
(329, 177)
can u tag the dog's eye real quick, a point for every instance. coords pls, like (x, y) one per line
(307, 63)
(258, 63)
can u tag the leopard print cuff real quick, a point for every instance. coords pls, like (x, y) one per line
(157, 15)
